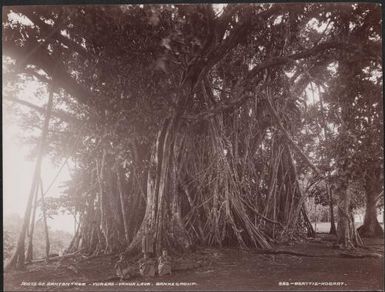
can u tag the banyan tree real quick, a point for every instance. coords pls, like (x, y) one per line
(182, 120)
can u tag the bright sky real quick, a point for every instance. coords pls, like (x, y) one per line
(18, 171)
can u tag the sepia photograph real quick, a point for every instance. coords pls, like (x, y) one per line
(193, 147)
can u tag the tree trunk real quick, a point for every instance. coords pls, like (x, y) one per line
(29, 254)
(160, 223)
(333, 229)
(347, 237)
(18, 259)
(371, 226)
(43, 209)
(326, 134)
(122, 205)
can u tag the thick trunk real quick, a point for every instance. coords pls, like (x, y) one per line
(347, 237)
(111, 224)
(162, 222)
(371, 226)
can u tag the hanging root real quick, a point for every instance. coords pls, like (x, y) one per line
(221, 185)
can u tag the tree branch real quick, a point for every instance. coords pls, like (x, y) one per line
(57, 113)
(287, 136)
(49, 30)
(52, 67)
(276, 61)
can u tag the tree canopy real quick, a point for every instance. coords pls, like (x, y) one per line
(192, 124)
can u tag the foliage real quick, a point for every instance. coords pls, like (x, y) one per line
(8, 244)
(12, 225)
(195, 123)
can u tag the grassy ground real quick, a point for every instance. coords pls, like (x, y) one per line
(310, 265)
(324, 227)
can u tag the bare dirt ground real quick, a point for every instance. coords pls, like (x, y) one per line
(311, 265)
